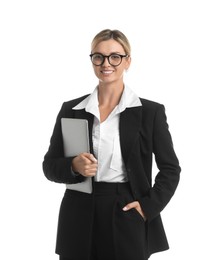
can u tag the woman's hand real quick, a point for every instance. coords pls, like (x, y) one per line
(135, 205)
(85, 164)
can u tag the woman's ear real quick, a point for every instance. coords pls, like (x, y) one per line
(128, 63)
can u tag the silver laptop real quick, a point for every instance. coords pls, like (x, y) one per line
(76, 140)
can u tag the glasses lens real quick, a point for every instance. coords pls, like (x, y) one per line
(115, 59)
(97, 59)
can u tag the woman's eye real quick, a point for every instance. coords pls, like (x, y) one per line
(97, 57)
(115, 57)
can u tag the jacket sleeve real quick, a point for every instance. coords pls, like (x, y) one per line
(167, 179)
(56, 167)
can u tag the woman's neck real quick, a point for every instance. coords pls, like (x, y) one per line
(109, 97)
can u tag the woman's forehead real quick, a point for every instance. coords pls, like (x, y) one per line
(109, 46)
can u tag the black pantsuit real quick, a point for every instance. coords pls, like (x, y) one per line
(143, 132)
(116, 234)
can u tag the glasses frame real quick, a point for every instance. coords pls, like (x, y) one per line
(108, 58)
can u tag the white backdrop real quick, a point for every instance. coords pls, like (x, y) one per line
(177, 60)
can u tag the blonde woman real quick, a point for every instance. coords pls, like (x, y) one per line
(120, 219)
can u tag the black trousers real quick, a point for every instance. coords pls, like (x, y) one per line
(117, 235)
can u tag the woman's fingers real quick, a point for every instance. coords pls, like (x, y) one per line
(85, 164)
(135, 205)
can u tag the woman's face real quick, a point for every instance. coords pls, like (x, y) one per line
(107, 73)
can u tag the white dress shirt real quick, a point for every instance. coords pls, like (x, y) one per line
(106, 138)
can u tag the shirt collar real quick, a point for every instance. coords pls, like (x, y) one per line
(128, 99)
(90, 104)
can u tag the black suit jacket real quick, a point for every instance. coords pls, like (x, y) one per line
(143, 132)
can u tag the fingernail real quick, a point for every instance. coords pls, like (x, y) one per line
(125, 208)
(93, 158)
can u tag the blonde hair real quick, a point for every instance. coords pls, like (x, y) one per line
(116, 35)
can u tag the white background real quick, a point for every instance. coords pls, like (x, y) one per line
(177, 60)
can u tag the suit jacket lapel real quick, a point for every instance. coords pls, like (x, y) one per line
(130, 124)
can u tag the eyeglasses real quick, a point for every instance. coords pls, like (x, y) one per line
(114, 59)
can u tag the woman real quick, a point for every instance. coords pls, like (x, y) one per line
(120, 219)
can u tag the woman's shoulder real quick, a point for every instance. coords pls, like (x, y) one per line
(151, 109)
(73, 102)
(149, 104)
